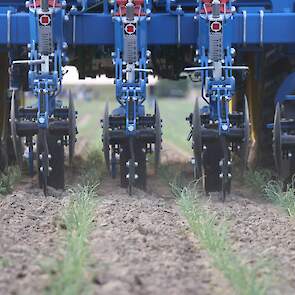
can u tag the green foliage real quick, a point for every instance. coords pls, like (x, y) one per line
(93, 168)
(263, 182)
(212, 235)
(256, 180)
(68, 275)
(4, 262)
(282, 196)
(8, 179)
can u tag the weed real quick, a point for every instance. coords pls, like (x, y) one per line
(8, 179)
(284, 197)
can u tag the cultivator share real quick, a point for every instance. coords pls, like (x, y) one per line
(242, 51)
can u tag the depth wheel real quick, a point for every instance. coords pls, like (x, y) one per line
(197, 141)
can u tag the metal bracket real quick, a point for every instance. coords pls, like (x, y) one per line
(74, 29)
(8, 27)
(244, 27)
(261, 27)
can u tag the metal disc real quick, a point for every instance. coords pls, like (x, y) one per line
(105, 137)
(158, 140)
(197, 141)
(16, 142)
(72, 129)
(277, 147)
(245, 143)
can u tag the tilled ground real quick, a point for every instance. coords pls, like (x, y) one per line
(261, 232)
(28, 238)
(140, 244)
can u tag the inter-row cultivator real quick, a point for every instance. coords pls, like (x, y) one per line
(241, 50)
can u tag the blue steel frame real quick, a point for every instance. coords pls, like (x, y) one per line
(277, 29)
(250, 25)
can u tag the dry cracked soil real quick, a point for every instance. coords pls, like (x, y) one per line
(140, 244)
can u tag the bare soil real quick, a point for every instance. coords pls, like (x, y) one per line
(140, 244)
(28, 238)
(260, 232)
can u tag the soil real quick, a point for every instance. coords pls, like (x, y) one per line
(140, 244)
(28, 238)
(260, 232)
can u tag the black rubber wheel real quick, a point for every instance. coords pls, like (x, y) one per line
(197, 141)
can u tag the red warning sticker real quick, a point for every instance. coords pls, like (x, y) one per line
(44, 19)
(216, 26)
(130, 29)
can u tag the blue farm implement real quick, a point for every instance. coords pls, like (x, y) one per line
(242, 51)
